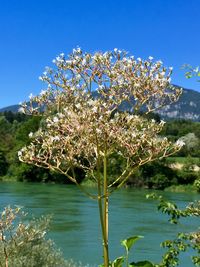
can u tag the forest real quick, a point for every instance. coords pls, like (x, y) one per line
(180, 170)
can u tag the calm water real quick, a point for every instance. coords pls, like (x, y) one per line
(75, 225)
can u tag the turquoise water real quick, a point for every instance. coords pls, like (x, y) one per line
(75, 225)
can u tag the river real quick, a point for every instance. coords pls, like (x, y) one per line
(75, 225)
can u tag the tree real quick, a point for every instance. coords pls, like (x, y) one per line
(83, 125)
(191, 143)
(3, 164)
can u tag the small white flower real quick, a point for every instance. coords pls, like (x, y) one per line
(98, 130)
(84, 62)
(61, 115)
(94, 109)
(30, 135)
(180, 143)
(139, 59)
(137, 85)
(163, 73)
(101, 86)
(150, 58)
(160, 62)
(68, 62)
(43, 92)
(78, 106)
(21, 110)
(56, 138)
(90, 102)
(162, 122)
(31, 96)
(78, 49)
(55, 119)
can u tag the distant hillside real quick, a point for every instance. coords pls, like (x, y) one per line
(188, 107)
(13, 108)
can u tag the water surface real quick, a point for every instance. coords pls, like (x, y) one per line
(75, 224)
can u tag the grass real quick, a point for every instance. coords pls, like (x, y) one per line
(183, 160)
(181, 188)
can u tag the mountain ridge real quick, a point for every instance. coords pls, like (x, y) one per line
(187, 107)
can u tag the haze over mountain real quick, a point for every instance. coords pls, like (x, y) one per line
(187, 107)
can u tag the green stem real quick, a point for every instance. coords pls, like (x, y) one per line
(106, 206)
(127, 264)
(103, 210)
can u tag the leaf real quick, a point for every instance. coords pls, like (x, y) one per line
(118, 262)
(129, 242)
(142, 264)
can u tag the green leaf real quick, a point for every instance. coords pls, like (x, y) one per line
(129, 242)
(118, 262)
(142, 264)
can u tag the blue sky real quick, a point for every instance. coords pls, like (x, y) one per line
(34, 32)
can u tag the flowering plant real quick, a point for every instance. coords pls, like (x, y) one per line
(84, 123)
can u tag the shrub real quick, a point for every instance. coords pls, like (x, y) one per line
(24, 244)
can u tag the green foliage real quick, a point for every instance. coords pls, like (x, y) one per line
(124, 260)
(3, 164)
(24, 172)
(157, 175)
(142, 264)
(183, 241)
(24, 244)
(23, 130)
(15, 127)
(187, 130)
(181, 188)
(11, 116)
(191, 71)
(118, 262)
(14, 131)
(187, 175)
(129, 242)
(197, 184)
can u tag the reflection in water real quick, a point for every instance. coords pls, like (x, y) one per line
(75, 225)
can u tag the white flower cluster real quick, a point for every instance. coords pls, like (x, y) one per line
(83, 126)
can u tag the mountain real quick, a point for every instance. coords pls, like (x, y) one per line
(187, 107)
(13, 108)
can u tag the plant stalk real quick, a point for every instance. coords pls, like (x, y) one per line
(106, 210)
(103, 207)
